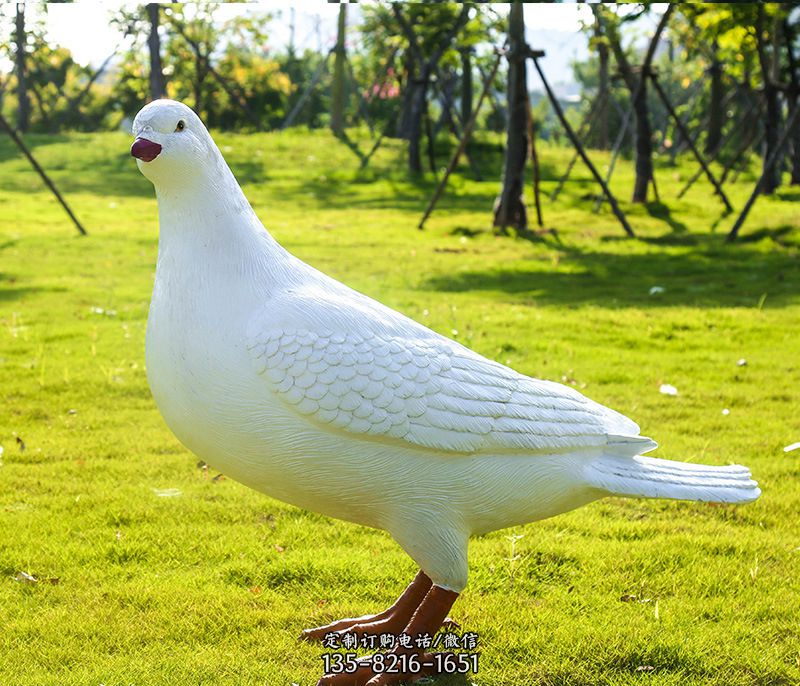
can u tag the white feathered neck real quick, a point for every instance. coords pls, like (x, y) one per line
(206, 226)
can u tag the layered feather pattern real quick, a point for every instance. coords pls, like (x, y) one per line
(429, 393)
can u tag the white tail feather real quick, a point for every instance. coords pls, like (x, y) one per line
(649, 477)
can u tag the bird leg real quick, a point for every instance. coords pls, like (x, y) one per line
(392, 620)
(426, 621)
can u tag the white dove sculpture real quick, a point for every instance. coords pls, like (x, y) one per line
(317, 395)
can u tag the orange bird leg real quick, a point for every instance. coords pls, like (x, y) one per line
(392, 620)
(428, 619)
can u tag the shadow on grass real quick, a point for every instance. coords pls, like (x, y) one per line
(9, 150)
(7, 294)
(711, 274)
(10, 290)
(660, 211)
(104, 170)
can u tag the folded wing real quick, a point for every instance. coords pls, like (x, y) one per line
(432, 393)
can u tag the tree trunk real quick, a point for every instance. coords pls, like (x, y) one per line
(795, 178)
(337, 92)
(603, 90)
(404, 119)
(716, 117)
(447, 84)
(644, 145)
(417, 84)
(416, 112)
(603, 93)
(772, 123)
(466, 85)
(509, 208)
(24, 103)
(157, 86)
(199, 79)
(37, 96)
(792, 96)
(638, 88)
(772, 120)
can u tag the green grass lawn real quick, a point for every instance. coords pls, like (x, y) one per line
(152, 570)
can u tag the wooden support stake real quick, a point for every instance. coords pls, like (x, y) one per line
(448, 105)
(429, 136)
(374, 149)
(718, 150)
(470, 159)
(362, 105)
(586, 128)
(688, 139)
(462, 143)
(534, 160)
(74, 103)
(41, 172)
(352, 145)
(614, 154)
(579, 147)
(768, 169)
(655, 188)
(752, 141)
(302, 101)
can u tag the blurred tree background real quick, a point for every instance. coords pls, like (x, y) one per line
(414, 70)
(339, 132)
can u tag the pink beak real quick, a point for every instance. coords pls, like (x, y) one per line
(145, 150)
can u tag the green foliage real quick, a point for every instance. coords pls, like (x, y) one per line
(138, 584)
(300, 70)
(236, 50)
(697, 35)
(728, 31)
(55, 81)
(431, 22)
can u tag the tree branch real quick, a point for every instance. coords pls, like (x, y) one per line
(233, 94)
(457, 26)
(408, 32)
(651, 49)
(619, 54)
(793, 79)
(762, 57)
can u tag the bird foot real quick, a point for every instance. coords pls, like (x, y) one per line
(405, 662)
(392, 620)
(375, 625)
(388, 669)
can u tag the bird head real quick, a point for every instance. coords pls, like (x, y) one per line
(171, 143)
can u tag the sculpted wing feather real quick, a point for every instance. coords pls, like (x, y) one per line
(429, 392)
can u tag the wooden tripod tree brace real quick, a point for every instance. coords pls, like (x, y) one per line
(534, 55)
(21, 145)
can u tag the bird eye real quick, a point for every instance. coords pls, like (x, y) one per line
(181, 126)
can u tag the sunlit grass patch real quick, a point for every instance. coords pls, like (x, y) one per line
(149, 569)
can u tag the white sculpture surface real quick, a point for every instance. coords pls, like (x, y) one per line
(317, 395)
